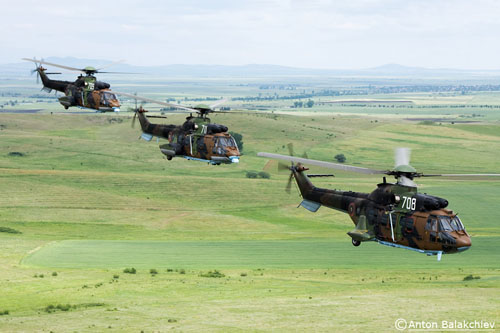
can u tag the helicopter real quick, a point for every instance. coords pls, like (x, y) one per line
(394, 214)
(85, 92)
(196, 139)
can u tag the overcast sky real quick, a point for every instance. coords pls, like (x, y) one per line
(302, 33)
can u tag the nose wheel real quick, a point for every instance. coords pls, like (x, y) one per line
(356, 242)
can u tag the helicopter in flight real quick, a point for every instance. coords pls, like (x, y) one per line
(394, 214)
(85, 92)
(196, 139)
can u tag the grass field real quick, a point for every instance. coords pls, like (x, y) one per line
(89, 200)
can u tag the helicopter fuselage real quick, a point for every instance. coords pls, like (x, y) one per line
(85, 92)
(196, 139)
(393, 214)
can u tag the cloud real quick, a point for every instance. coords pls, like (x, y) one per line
(316, 33)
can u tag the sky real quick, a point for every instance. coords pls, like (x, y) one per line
(353, 34)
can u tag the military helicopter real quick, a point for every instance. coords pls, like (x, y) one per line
(394, 214)
(196, 139)
(85, 91)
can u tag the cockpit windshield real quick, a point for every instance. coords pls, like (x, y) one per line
(224, 142)
(108, 96)
(450, 224)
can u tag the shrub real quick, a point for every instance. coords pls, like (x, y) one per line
(340, 158)
(54, 273)
(239, 140)
(182, 271)
(16, 153)
(9, 230)
(471, 277)
(116, 276)
(170, 270)
(171, 320)
(129, 270)
(213, 274)
(243, 274)
(50, 308)
(251, 174)
(4, 312)
(63, 307)
(264, 175)
(153, 271)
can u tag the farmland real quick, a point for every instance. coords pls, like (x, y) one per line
(81, 199)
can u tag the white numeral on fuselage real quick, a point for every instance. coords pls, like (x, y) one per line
(409, 203)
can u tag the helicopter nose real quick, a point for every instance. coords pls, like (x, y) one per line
(234, 159)
(463, 243)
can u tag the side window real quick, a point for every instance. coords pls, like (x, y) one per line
(407, 222)
(431, 224)
(384, 219)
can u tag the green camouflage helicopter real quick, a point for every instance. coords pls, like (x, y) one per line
(394, 214)
(196, 139)
(85, 92)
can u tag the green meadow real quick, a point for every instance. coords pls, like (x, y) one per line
(82, 199)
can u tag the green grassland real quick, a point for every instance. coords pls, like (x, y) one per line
(89, 199)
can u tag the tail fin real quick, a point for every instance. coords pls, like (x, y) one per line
(304, 184)
(144, 121)
(51, 84)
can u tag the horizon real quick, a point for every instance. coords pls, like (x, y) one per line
(102, 61)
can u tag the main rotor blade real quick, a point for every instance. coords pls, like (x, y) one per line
(322, 164)
(155, 101)
(219, 102)
(464, 175)
(110, 64)
(98, 71)
(52, 64)
(402, 156)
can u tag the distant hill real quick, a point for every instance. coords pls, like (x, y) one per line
(22, 69)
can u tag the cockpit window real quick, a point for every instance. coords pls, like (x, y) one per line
(450, 224)
(108, 96)
(225, 142)
(444, 223)
(456, 224)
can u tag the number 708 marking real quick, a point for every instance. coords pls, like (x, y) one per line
(409, 203)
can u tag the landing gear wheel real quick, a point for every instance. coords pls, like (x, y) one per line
(356, 242)
(169, 157)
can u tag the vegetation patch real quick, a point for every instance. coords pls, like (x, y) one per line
(255, 174)
(340, 158)
(130, 270)
(9, 230)
(59, 307)
(51, 308)
(471, 277)
(4, 312)
(17, 154)
(213, 274)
